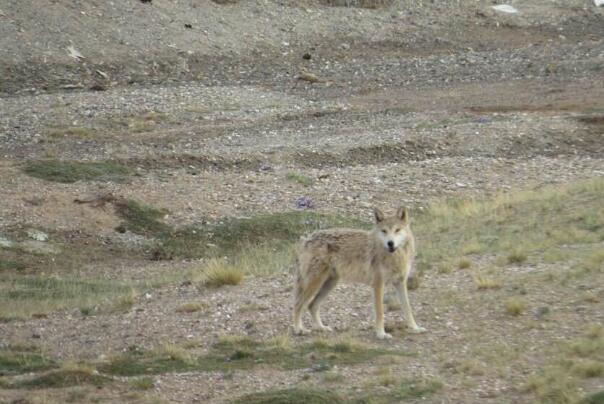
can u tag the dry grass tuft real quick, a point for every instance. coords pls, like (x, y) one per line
(514, 306)
(191, 307)
(374, 4)
(281, 341)
(517, 256)
(125, 302)
(385, 377)
(470, 367)
(472, 247)
(553, 386)
(588, 369)
(464, 263)
(482, 282)
(445, 267)
(218, 272)
(174, 353)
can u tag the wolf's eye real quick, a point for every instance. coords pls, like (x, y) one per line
(384, 231)
(397, 230)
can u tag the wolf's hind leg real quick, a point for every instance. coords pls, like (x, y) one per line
(305, 291)
(315, 304)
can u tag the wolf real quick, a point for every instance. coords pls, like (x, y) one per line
(381, 256)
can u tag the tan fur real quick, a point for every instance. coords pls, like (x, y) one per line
(378, 257)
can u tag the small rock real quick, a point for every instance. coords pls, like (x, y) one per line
(37, 235)
(304, 202)
(505, 8)
(6, 243)
(319, 367)
(306, 56)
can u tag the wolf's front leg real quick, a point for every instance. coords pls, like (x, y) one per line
(378, 296)
(403, 297)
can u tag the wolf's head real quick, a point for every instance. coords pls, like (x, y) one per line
(393, 232)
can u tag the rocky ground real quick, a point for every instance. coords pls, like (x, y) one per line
(231, 110)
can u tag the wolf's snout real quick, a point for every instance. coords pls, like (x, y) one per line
(390, 245)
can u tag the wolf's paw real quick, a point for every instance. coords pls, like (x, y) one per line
(417, 330)
(301, 331)
(383, 335)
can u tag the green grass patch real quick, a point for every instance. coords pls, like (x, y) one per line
(16, 361)
(402, 391)
(275, 232)
(291, 396)
(234, 353)
(76, 132)
(573, 361)
(141, 218)
(595, 398)
(62, 378)
(299, 179)
(521, 226)
(11, 265)
(22, 296)
(71, 171)
(143, 383)
(137, 123)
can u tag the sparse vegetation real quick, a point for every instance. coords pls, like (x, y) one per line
(472, 247)
(553, 386)
(15, 360)
(297, 395)
(137, 123)
(72, 171)
(595, 261)
(514, 306)
(143, 383)
(299, 179)
(191, 307)
(70, 374)
(500, 223)
(140, 218)
(27, 295)
(218, 272)
(464, 263)
(579, 359)
(125, 301)
(261, 243)
(358, 3)
(8, 265)
(517, 256)
(484, 282)
(76, 132)
(237, 352)
(588, 368)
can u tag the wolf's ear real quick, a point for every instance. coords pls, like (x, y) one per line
(402, 214)
(379, 216)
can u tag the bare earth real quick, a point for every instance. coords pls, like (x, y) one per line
(413, 104)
